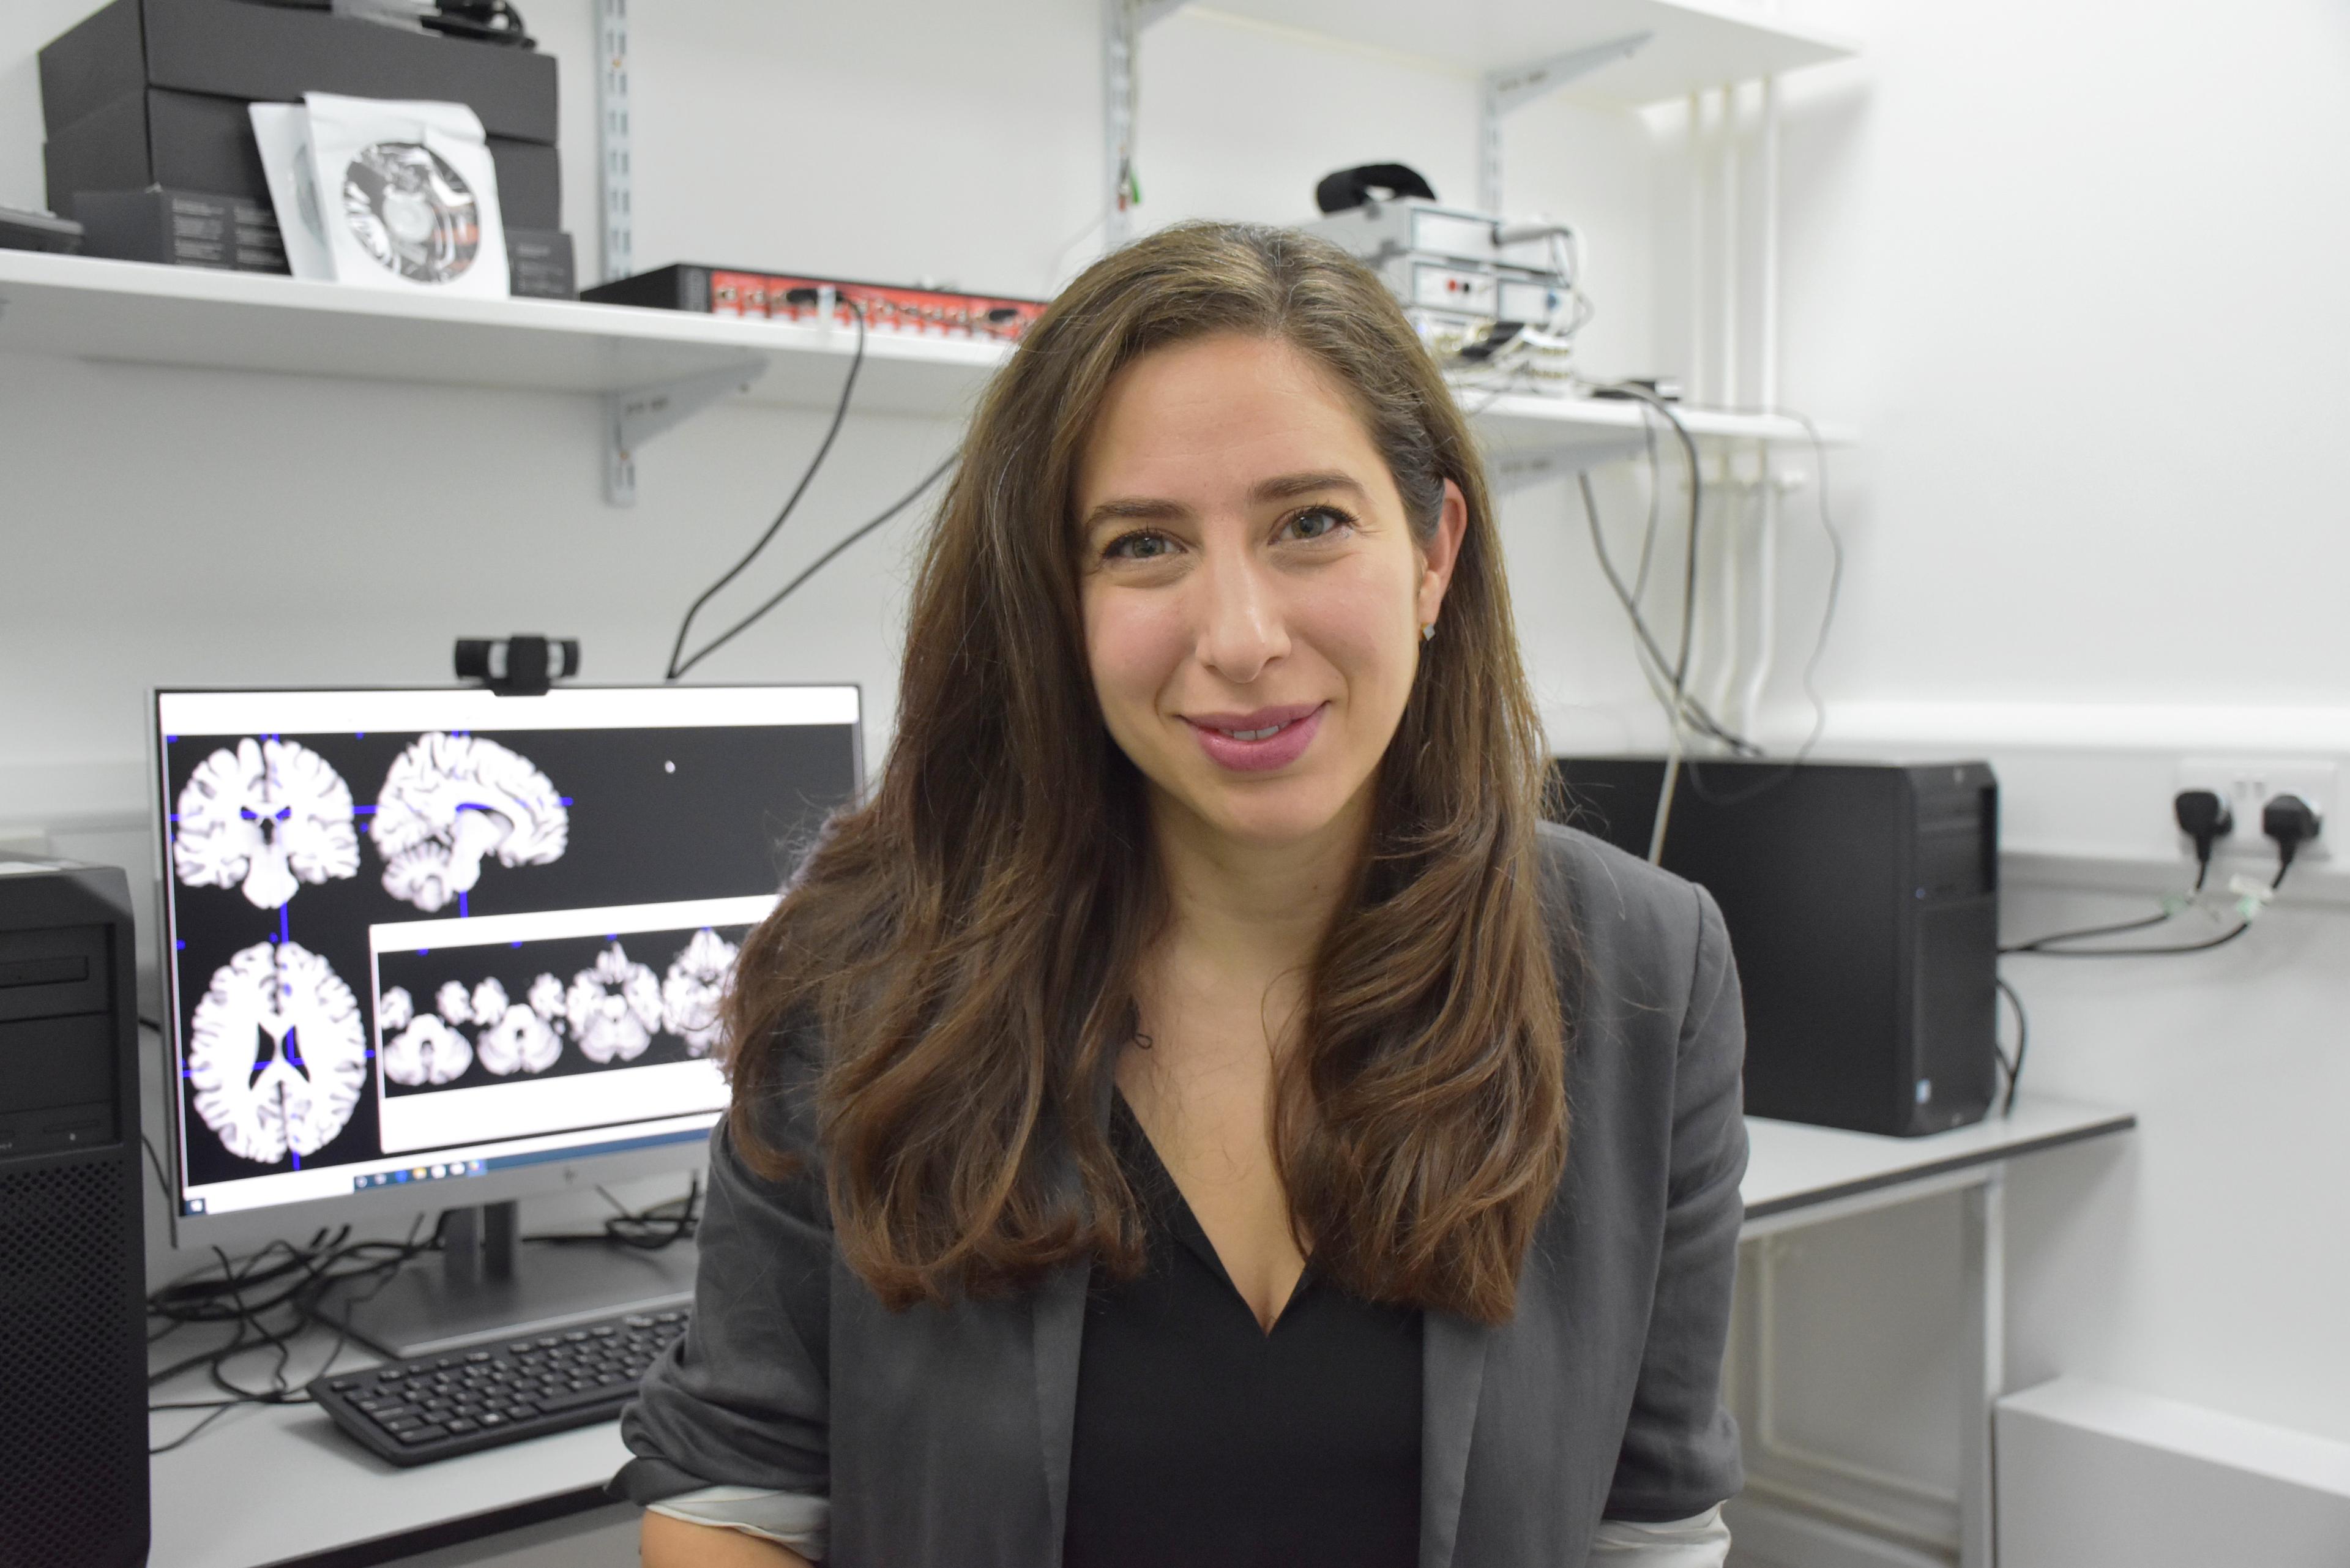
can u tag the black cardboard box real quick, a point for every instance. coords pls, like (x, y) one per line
(182, 228)
(237, 49)
(187, 141)
(539, 264)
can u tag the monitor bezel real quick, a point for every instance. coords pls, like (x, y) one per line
(379, 1210)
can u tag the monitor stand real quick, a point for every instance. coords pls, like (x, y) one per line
(479, 1288)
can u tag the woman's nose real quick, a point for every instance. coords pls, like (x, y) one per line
(1242, 628)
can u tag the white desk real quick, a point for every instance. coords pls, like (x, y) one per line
(271, 1485)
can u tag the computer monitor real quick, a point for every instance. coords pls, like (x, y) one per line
(427, 950)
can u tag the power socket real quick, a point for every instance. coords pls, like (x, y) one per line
(2248, 783)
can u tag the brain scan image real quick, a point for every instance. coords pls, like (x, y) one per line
(695, 989)
(546, 1000)
(449, 801)
(267, 817)
(427, 1052)
(519, 1041)
(488, 1001)
(613, 1008)
(454, 1002)
(394, 1008)
(276, 1054)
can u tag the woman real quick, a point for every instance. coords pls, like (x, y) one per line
(1151, 1137)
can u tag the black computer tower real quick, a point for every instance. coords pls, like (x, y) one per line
(73, 1353)
(1862, 907)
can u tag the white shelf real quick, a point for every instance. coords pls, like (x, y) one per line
(1578, 432)
(1696, 43)
(133, 313)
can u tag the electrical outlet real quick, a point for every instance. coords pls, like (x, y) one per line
(2248, 783)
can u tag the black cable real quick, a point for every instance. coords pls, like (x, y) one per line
(2035, 948)
(645, 1230)
(740, 627)
(155, 1164)
(1819, 640)
(301, 1274)
(2022, 1039)
(1633, 389)
(840, 413)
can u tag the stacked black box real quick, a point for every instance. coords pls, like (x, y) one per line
(153, 92)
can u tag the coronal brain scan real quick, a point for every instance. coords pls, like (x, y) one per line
(695, 989)
(614, 1007)
(266, 817)
(427, 1052)
(449, 801)
(278, 1053)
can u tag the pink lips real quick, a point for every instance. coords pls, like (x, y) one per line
(1294, 728)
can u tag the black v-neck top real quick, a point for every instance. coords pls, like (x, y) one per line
(1202, 1439)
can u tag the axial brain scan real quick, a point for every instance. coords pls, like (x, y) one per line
(519, 1041)
(454, 1002)
(695, 989)
(427, 1052)
(270, 816)
(547, 1000)
(614, 1008)
(277, 1054)
(449, 801)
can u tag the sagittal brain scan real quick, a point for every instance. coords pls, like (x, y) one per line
(278, 1053)
(695, 989)
(614, 1007)
(411, 212)
(449, 801)
(266, 817)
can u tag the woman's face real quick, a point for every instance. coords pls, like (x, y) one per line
(1253, 594)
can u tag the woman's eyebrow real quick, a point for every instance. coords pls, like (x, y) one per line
(1280, 487)
(1133, 508)
(1288, 485)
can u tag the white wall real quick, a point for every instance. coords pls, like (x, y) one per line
(2068, 270)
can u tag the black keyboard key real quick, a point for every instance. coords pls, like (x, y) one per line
(415, 1434)
(589, 1394)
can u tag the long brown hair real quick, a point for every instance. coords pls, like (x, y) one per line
(965, 945)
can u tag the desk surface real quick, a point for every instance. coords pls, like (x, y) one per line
(278, 1485)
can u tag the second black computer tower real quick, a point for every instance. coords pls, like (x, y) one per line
(1863, 907)
(73, 1351)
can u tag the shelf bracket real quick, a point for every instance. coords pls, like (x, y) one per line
(1522, 468)
(634, 417)
(1123, 23)
(1512, 89)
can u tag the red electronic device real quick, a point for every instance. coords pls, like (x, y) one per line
(784, 297)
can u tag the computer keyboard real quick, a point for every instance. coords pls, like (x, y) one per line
(500, 1391)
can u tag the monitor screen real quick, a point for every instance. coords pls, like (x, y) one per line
(417, 937)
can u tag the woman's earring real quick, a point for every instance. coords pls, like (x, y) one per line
(1428, 632)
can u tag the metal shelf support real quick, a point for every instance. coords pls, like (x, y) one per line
(618, 252)
(1123, 23)
(1509, 89)
(636, 416)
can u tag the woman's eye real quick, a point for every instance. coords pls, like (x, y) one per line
(1142, 546)
(1316, 523)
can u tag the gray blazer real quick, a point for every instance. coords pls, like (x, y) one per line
(942, 1436)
